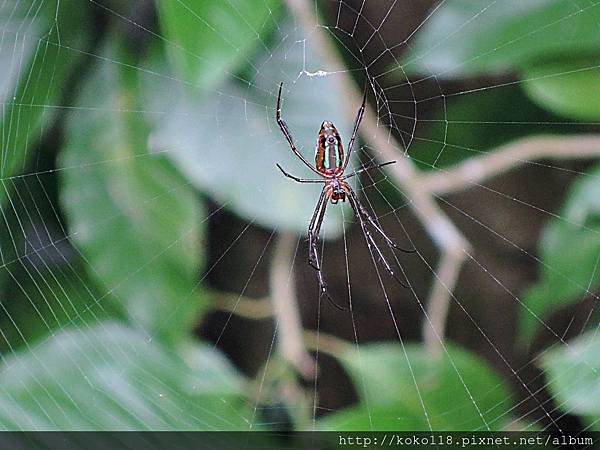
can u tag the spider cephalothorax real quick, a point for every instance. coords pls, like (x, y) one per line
(336, 189)
(330, 165)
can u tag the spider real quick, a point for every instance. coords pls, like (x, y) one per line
(330, 165)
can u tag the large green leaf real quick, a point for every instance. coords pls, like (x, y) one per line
(572, 374)
(227, 143)
(466, 37)
(36, 60)
(569, 88)
(570, 253)
(401, 391)
(110, 377)
(137, 221)
(209, 38)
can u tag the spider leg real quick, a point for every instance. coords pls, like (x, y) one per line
(365, 169)
(357, 121)
(375, 225)
(299, 180)
(371, 241)
(288, 135)
(313, 237)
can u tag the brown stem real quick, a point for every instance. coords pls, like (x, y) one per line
(285, 306)
(259, 309)
(507, 157)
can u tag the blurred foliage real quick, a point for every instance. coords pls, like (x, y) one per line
(97, 322)
(405, 388)
(35, 67)
(570, 256)
(465, 38)
(137, 221)
(197, 46)
(572, 375)
(111, 377)
(570, 88)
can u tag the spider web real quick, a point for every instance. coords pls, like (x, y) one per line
(61, 299)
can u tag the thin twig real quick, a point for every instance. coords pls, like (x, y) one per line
(259, 309)
(448, 270)
(326, 343)
(444, 233)
(285, 306)
(507, 157)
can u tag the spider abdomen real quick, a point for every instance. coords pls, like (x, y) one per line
(329, 153)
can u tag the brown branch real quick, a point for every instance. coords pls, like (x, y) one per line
(261, 309)
(326, 343)
(258, 309)
(435, 326)
(285, 306)
(507, 157)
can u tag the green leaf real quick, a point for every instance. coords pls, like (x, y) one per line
(209, 38)
(110, 377)
(36, 60)
(227, 144)
(568, 88)
(572, 376)
(136, 220)
(466, 38)
(455, 392)
(377, 417)
(570, 253)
